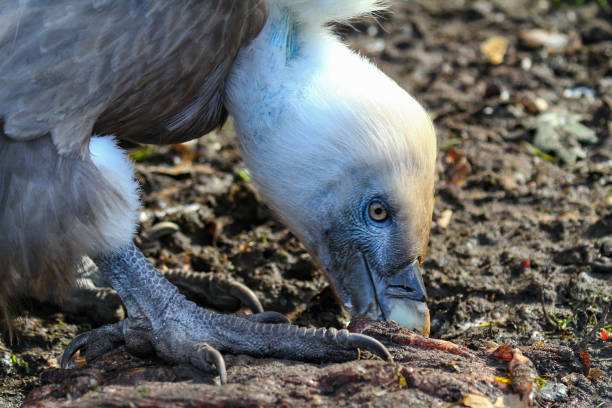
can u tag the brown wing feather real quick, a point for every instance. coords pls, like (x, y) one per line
(149, 71)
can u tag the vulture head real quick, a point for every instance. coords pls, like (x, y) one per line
(346, 158)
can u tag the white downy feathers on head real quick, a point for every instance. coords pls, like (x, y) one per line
(309, 111)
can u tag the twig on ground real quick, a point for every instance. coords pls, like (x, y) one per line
(543, 303)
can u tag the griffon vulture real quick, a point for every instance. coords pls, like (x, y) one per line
(338, 150)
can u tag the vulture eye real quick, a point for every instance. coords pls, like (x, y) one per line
(377, 211)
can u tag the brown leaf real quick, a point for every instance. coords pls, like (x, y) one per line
(476, 401)
(457, 166)
(494, 49)
(595, 373)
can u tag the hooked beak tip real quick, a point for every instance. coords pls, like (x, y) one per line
(411, 314)
(400, 297)
(404, 299)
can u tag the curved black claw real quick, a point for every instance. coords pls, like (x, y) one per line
(97, 342)
(75, 345)
(370, 344)
(202, 355)
(268, 317)
(246, 296)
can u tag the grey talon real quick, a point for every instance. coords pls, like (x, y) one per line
(350, 341)
(246, 296)
(219, 292)
(162, 320)
(97, 342)
(203, 353)
(75, 345)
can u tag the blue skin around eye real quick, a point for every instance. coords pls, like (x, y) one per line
(366, 211)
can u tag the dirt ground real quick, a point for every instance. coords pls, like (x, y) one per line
(520, 251)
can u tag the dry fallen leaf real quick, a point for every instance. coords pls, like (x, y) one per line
(476, 401)
(561, 132)
(494, 49)
(510, 401)
(595, 373)
(457, 166)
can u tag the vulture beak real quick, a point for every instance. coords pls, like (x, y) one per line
(399, 296)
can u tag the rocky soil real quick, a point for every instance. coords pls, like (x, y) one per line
(519, 271)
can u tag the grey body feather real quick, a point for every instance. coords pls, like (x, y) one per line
(147, 71)
(52, 209)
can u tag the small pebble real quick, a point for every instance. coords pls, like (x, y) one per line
(526, 64)
(579, 92)
(445, 217)
(554, 392)
(160, 230)
(538, 38)
(536, 336)
(541, 104)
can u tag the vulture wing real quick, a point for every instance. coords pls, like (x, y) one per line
(149, 71)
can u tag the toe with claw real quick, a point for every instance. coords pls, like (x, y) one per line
(97, 342)
(219, 292)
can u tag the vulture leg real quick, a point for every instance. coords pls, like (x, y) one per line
(161, 319)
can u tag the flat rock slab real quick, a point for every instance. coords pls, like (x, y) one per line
(426, 373)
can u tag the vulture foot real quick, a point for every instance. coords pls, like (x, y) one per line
(160, 319)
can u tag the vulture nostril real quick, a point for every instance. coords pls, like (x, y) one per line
(402, 288)
(401, 291)
(407, 283)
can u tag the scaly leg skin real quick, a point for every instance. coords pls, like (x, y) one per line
(160, 319)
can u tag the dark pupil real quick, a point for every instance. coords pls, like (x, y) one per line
(377, 212)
